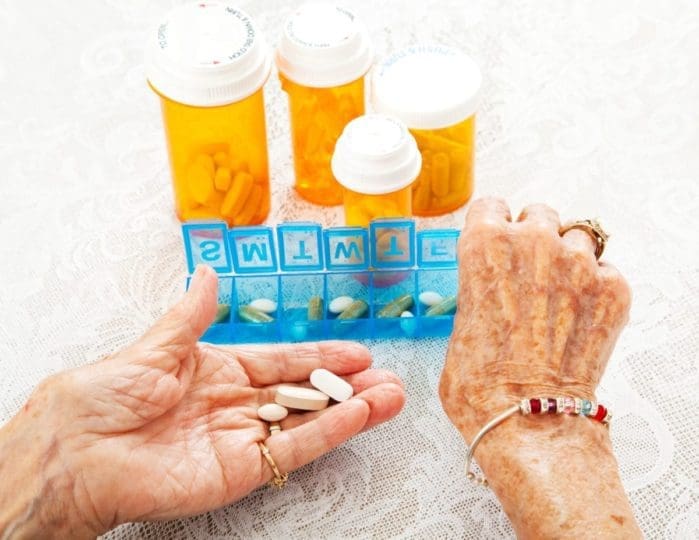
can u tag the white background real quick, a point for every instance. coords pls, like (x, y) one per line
(592, 107)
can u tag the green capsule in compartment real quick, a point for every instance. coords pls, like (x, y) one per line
(222, 312)
(445, 307)
(396, 307)
(356, 310)
(252, 315)
(315, 308)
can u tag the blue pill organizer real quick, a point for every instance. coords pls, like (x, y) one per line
(296, 261)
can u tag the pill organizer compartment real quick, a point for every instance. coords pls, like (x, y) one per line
(356, 286)
(222, 331)
(302, 299)
(247, 289)
(394, 327)
(294, 263)
(444, 282)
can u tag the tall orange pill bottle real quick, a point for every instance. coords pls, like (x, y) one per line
(208, 63)
(323, 55)
(435, 91)
(376, 161)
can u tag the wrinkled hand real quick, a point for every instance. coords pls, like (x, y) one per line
(168, 427)
(537, 314)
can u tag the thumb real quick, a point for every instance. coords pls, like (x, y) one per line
(187, 320)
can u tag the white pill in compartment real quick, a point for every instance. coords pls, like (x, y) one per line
(298, 397)
(408, 323)
(272, 412)
(430, 298)
(265, 305)
(332, 385)
(340, 304)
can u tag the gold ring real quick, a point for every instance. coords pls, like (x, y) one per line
(279, 480)
(593, 228)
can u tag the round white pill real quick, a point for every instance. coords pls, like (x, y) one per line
(340, 304)
(408, 323)
(271, 412)
(265, 305)
(430, 298)
(298, 397)
(332, 385)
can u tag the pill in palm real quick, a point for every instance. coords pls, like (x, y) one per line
(430, 298)
(272, 412)
(265, 305)
(298, 397)
(332, 385)
(340, 304)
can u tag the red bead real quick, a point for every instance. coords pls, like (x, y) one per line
(535, 405)
(601, 413)
(552, 405)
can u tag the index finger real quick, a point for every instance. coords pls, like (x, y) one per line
(273, 364)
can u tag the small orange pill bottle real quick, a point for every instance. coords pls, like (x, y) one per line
(435, 91)
(375, 161)
(323, 55)
(208, 64)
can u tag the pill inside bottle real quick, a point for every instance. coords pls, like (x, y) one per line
(208, 63)
(375, 160)
(435, 91)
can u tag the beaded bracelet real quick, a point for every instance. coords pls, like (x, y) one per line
(557, 405)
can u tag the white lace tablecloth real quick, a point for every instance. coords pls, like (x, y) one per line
(592, 107)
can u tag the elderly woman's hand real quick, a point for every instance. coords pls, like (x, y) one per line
(168, 427)
(537, 316)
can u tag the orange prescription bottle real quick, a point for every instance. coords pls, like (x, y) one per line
(208, 63)
(322, 57)
(375, 160)
(435, 91)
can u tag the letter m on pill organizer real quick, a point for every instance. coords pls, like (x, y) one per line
(308, 247)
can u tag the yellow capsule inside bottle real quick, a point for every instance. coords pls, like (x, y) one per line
(208, 64)
(323, 56)
(445, 182)
(318, 116)
(434, 90)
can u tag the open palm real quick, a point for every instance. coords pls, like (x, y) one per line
(168, 427)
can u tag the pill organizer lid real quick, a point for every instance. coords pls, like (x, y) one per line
(427, 86)
(207, 54)
(375, 154)
(323, 45)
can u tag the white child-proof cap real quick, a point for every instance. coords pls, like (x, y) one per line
(323, 45)
(375, 154)
(427, 86)
(207, 54)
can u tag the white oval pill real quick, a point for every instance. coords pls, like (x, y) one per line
(298, 397)
(271, 412)
(329, 383)
(430, 298)
(265, 305)
(407, 314)
(340, 304)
